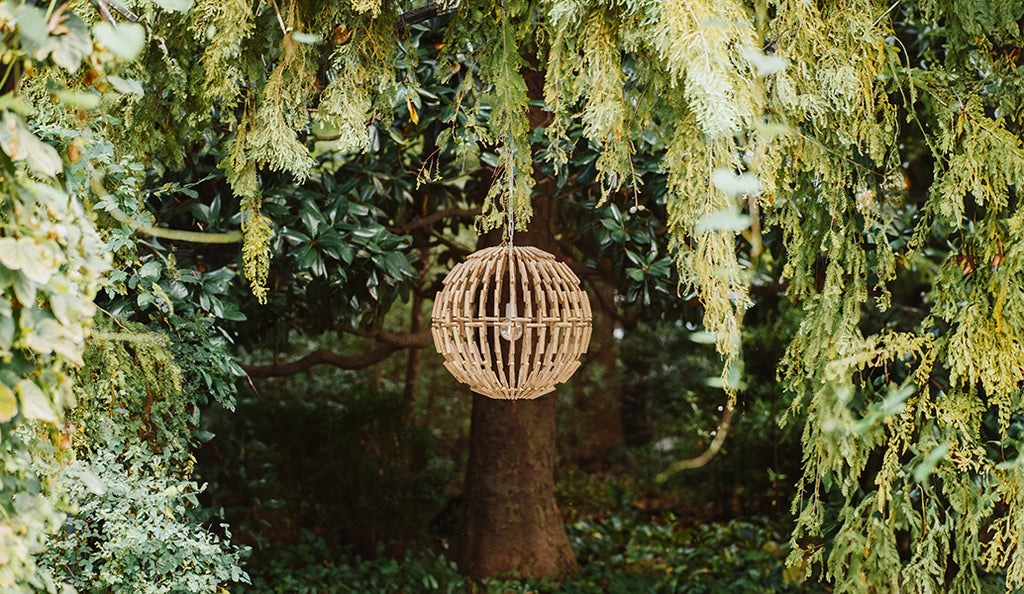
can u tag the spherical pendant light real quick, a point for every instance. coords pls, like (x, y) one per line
(511, 322)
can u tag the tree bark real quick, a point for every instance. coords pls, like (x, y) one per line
(595, 419)
(511, 521)
(412, 365)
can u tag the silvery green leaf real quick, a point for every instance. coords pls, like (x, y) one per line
(765, 64)
(21, 144)
(735, 185)
(722, 220)
(8, 404)
(126, 85)
(174, 5)
(309, 38)
(32, 258)
(83, 99)
(125, 42)
(35, 404)
(73, 46)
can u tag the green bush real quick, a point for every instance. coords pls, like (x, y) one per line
(347, 463)
(617, 555)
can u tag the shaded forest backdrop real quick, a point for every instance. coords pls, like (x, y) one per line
(223, 223)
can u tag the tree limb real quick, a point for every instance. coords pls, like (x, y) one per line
(174, 234)
(322, 357)
(461, 213)
(426, 12)
(399, 340)
(708, 454)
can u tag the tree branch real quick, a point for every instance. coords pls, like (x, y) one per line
(399, 340)
(322, 357)
(174, 234)
(426, 12)
(708, 454)
(460, 213)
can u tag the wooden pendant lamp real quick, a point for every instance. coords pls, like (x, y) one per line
(511, 322)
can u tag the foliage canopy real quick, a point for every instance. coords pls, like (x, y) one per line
(800, 124)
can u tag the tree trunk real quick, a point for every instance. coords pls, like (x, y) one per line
(595, 420)
(412, 366)
(511, 521)
(510, 518)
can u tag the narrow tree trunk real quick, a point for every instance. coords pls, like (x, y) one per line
(511, 521)
(412, 366)
(595, 420)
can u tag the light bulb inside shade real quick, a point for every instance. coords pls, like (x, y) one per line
(511, 330)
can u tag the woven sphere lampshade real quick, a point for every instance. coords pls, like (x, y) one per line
(511, 322)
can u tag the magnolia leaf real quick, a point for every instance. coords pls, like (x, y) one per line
(126, 86)
(35, 404)
(21, 144)
(735, 185)
(32, 258)
(8, 404)
(125, 42)
(174, 5)
(722, 220)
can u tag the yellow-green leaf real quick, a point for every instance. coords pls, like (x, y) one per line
(35, 404)
(8, 404)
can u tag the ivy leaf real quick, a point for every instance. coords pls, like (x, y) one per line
(8, 404)
(73, 45)
(32, 258)
(35, 404)
(150, 271)
(125, 42)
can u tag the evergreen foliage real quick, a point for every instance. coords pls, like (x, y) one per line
(790, 118)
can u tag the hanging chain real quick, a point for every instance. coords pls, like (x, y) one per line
(509, 152)
(509, 201)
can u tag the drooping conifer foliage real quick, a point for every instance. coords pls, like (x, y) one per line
(880, 142)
